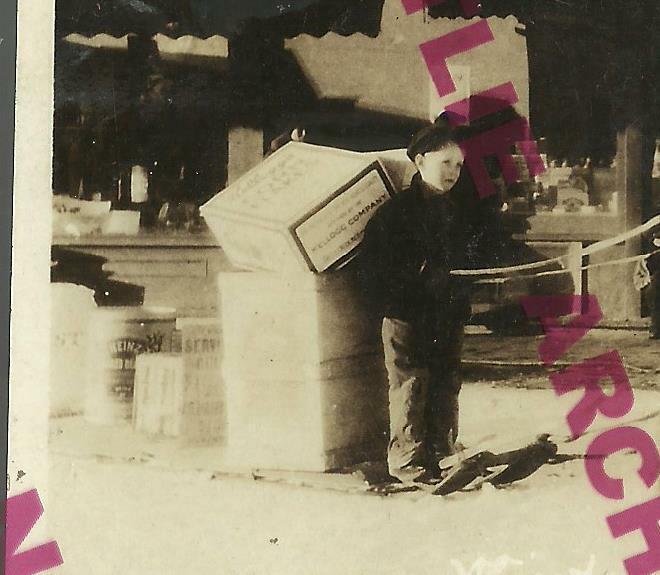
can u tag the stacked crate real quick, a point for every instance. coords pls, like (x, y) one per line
(306, 386)
(158, 394)
(204, 418)
(305, 380)
(182, 395)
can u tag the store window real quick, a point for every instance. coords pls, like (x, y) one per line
(139, 143)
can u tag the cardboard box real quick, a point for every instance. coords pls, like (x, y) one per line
(398, 166)
(303, 208)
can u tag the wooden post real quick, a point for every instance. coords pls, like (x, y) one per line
(632, 62)
(245, 138)
(246, 150)
(613, 285)
(630, 183)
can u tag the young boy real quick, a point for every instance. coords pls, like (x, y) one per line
(410, 245)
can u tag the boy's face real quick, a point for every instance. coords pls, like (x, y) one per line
(441, 168)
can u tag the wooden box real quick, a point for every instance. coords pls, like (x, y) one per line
(182, 395)
(300, 319)
(204, 419)
(306, 384)
(303, 208)
(158, 394)
(308, 423)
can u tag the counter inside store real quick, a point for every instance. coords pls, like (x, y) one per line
(125, 264)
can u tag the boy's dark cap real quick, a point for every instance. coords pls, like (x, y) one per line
(431, 138)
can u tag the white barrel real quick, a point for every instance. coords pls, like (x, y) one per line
(71, 309)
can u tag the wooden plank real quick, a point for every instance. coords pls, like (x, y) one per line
(630, 183)
(246, 150)
(572, 227)
(172, 268)
(191, 273)
(145, 239)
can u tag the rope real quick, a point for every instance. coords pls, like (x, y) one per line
(568, 271)
(592, 249)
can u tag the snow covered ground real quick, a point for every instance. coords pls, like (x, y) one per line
(120, 504)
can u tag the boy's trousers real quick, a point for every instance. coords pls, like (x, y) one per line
(424, 384)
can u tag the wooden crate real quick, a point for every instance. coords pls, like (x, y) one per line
(158, 394)
(306, 384)
(204, 407)
(306, 423)
(300, 318)
(182, 395)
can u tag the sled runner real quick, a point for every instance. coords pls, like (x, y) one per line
(498, 469)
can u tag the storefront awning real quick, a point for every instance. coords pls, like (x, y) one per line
(191, 46)
(614, 16)
(228, 18)
(206, 18)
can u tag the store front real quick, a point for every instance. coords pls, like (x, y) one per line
(184, 129)
(156, 112)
